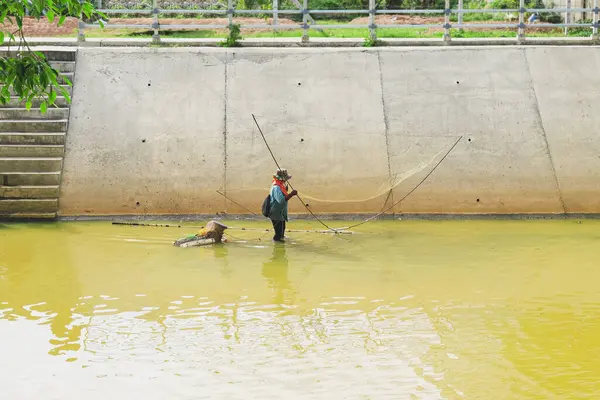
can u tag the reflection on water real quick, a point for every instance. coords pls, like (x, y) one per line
(464, 309)
(276, 272)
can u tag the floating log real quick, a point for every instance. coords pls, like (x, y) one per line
(194, 241)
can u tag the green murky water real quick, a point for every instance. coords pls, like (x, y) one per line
(402, 310)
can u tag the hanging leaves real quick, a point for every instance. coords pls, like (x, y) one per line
(25, 74)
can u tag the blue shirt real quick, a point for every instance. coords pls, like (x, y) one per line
(279, 206)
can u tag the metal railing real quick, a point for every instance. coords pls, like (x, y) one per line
(521, 26)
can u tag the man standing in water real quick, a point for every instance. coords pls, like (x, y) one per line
(279, 203)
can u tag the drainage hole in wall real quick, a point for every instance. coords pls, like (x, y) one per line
(137, 203)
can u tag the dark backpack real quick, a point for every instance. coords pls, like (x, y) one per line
(266, 206)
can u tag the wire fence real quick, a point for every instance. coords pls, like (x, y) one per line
(449, 19)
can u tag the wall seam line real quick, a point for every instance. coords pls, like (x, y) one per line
(225, 76)
(544, 136)
(386, 134)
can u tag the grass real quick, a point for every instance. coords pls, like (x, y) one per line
(382, 33)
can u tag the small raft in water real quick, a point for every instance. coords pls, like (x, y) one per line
(211, 234)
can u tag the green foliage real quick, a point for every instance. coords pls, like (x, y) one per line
(233, 38)
(581, 31)
(338, 4)
(514, 4)
(371, 42)
(31, 77)
(418, 4)
(548, 17)
(27, 73)
(504, 4)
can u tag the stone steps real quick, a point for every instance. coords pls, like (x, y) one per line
(29, 192)
(51, 55)
(68, 88)
(30, 178)
(32, 126)
(27, 216)
(17, 206)
(32, 148)
(14, 102)
(30, 164)
(32, 138)
(69, 75)
(63, 66)
(21, 114)
(28, 150)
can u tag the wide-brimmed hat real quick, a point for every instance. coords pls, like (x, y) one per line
(282, 175)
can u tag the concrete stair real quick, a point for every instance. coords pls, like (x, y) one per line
(68, 88)
(15, 103)
(32, 150)
(33, 114)
(28, 125)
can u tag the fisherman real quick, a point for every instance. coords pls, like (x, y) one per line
(279, 203)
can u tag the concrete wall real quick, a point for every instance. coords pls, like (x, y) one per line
(159, 131)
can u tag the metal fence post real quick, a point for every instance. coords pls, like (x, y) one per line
(372, 26)
(230, 13)
(460, 13)
(596, 21)
(275, 14)
(567, 17)
(305, 21)
(447, 12)
(81, 30)
(521, 29)
(155, 24)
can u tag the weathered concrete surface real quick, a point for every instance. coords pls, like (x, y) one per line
(29, 192)
(159, 131)
(485, 95)
(30, 164)
(68, 88)
(19, 206)
(23, 113)
(12, 150)
(33, 126)
(567, 86)
(35, 103)
(145, 134)
(30, 178)
(32, 138)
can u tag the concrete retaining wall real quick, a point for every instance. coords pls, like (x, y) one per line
(159, 131)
